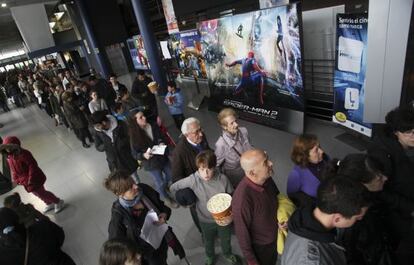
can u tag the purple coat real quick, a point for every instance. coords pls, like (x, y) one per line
(301, 179)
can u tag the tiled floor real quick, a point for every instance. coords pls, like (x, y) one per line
(76, 174)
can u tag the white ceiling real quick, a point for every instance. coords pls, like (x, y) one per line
(10, 38)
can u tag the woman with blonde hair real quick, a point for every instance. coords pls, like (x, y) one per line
(233, 142)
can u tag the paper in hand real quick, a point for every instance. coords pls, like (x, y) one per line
(158, 149)
(153, 233)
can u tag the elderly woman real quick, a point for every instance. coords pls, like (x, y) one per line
(304, 179)
(231, 144)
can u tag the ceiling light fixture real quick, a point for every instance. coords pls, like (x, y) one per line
(3, 5)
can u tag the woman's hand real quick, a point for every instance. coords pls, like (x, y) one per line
(147, 154)
(162, 219)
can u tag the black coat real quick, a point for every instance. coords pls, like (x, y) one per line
(398, 193)
(183, 159)
(74, 115)
(141, 92)
(156, 161)
(54, 104)
(367, 241)
(120, 87)
(124, 224)
(106, 92)
(45, 242)
(118, 153)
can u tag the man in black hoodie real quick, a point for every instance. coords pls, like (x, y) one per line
(111, 137)
(312, 231)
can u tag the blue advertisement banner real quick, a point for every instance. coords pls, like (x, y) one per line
(349, 79)
(186, 48)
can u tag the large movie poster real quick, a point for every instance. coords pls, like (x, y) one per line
(349, 83)
(254, 64)
(186, 48)
(138, 53)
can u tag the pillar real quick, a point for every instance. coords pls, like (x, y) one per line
(94, 48)
(150, 42)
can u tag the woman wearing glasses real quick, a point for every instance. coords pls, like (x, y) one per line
(394, 147)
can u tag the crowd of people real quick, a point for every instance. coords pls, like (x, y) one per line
(357, 209)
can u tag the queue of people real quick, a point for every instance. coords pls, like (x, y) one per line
(354, 210)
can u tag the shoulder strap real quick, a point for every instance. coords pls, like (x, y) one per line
(26, 255)
(148, 203)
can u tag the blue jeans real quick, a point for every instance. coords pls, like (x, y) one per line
(161, 178)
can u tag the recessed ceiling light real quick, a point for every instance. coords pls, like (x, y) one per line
(3, 5)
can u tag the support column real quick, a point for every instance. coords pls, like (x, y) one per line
(150, 42)
(63, 59)
(85, 53)
(94, 47)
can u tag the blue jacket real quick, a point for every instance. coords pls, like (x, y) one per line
(178, 106)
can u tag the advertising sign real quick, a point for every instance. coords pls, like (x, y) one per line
(170, 17)
(138, 53)
(254, 64)
(272, 3)
(349, 83)
(186, 48)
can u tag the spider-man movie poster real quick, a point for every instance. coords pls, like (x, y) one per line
(254, 64)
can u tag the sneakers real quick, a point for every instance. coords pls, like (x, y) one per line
(209, 261)
(231, 259)
(85, 145)
(59, 206)
(49, 208)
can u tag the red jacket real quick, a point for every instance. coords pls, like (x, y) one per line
(24, 168)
